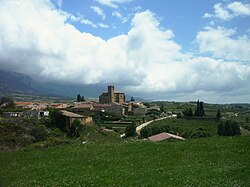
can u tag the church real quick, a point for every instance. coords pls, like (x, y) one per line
(112, 96)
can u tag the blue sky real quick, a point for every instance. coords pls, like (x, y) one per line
(184, 18)
(157, 49)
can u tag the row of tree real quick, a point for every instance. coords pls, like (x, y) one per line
(199, 112)
(80, 98)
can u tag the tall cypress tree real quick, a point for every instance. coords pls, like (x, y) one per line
(218, 115)
(202, 112)
(197, 111)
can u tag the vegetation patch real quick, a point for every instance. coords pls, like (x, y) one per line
(185, 127)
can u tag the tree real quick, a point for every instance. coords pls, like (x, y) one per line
(228, 128)
(247, 119)
(80, 98)
(132, 99)
(202, 112)
(83, 99)
(218, 115)
(76, 128)
(188, 112)
(162, 107)
(199, 109)
(57, 119)
(130, 130)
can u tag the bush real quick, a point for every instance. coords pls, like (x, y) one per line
(228, 128)
(130, 130)
(39, 132)
(188, 112)
(76, 128)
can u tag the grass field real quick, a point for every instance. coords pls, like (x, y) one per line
(216, 161)
(186, 127)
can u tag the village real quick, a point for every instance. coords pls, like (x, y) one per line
(112, 111)
(111, 102)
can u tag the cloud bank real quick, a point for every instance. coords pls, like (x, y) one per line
(38, 40)
(229, 11)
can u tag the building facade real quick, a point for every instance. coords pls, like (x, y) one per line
(112, 96)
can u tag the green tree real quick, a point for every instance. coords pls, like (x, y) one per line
(202, 112)
(188, 112)
(130, 130)
(218, 115)
(76, 128)
(57, 119)
(162, 107)
(228, 128)
(199, 109)
(132, 99)
(247, 119)
(83, 99)
(78, 98)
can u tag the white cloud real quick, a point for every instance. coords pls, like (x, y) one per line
(119, 15)
(239, 9)
(221, 43)
(112, 3)
(37, 39)
(102, 25)
(98, 11)
(229, 11)
(59, 3)
(88, 22)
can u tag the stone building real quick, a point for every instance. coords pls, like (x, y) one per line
(112, 96)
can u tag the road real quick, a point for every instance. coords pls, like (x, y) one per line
(139, 128)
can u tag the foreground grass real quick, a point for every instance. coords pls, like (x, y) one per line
(213, 161)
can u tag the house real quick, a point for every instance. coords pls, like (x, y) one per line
(116, 108)
(22, 105)
(12, 114)
(138, 108)
(112, 96)
(98, 107)
(82, 107)
(59, 105)
(70, 117)
(153, 108)
(36, 113)
(164, 136)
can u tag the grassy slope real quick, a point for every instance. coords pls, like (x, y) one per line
(185, 127)
(213, 161)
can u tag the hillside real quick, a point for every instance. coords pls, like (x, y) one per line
(15, 83)
(12, 82)
(218, 161)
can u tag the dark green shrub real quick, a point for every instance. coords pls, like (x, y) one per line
(39, 132)
(130, 130)
(228, 128)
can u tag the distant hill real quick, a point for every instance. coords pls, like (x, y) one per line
(12, 82)
(15, 83)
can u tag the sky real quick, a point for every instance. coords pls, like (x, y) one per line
(156, 49)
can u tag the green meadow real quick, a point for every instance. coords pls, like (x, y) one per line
(214, 161)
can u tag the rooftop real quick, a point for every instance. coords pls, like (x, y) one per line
(163, 136)
(70, 114)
